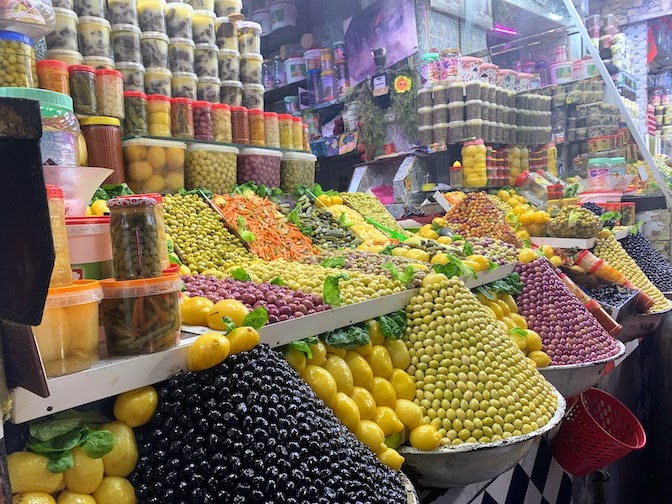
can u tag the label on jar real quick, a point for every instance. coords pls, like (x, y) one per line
(297, 69)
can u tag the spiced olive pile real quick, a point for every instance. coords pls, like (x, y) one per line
(599, 211)
(574, 222)
(654, 265)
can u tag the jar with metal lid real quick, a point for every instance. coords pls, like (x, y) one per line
(151, 15)
(110, 93)
(203, 129)
(286, 131)
(53, 76)
(83, 89)
(103, 141)
(135, 238)
(297, 133)
(204, 26)
(208, 89)
(122, 12)
(272, 129)
(182, 117)
(257, 132)
(159, 115)
(179, 20)
(135, 118)
(17, 61)
(61, 275)
(327, 86)
(240, 125)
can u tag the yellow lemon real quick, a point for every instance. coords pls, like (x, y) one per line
(371, 435)
(154, 184)
(243, 339)
(473, 265)
(323, 201)
(319, 351)
(87, 474)
(387, 420)
(174, 158)
(336, 200)
(440, 259)
(321, 381)
(156, 157)
(444, 240)
(339, 369)
(383, 392)
(33, 498)
(364, 349)
(540, 358)
(547, 250)
(409, 413)
(483, 261)
(556, 261)
(209, 350)
(380, 361)
(534, 343)
(136, 407)
(346, 410)
(362, 374)
(403, 383)
(510, 302)
(195, 311)
(99, 207)
(28, 473)
(527, 255)
(503, 195)
(365, 402)
(122, 459)
(425, 437)
(135, 153)
(375, 335)
(519, 320)
(296, 359)
(532, 362)
(503, 306)
(139, 171)
(335, 351)
(391, 458)
(398, 353)
(231, 308)
(68, 497)
(114, 490)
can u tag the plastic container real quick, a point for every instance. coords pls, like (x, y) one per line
(154, 165)
(211, 167)
(440, 132)
(628, 214)
(99, 62)
(439, 114)
(205, 5)
(232, 93)
(456, 111)
(204, 27)
(67, 337)
(250, 68)
(110, 93)
(184, 84)
(229, 65)
(295, 68)
(203, 129)
(179, 20)
(181, 55)
(61, 275)
(64, 35)
(256, 126)
(473, 128)
(158, 115)
(133, 75)
(429, 69)
(151, 15)
(272, 129)
(425, 134)
(205, 60)
(297, 169)
(135, 118)
(221, 122)
(17, 59)
(90, 8)
(93, 35)
(260, 166)
(182, 118)
(229, 7)
(125, 39)
(208, 89)
(141, 316)
(596, 431)
(327, 87)
(283, 13)
(103, 140)
(226, 34)
(53, 76)
(158, 81)
(312, 58)
(159, 216)
(240, 125)
(263, 17)
(253, 96)
(83, 89)
(249, 38)
(560, 72)
(469, 69)
(122, 12)
(286, 131)
(297, 133)
(90, 247)
(66, 56)
(154, 47)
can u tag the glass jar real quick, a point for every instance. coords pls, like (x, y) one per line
(135, 238)
(64, 35)
(179, 20)
(181, 55)
(93, 35)
(267, 77)
(306, 138)
(232, 93)
(182, 117)
(253, 96)
(272, 129)
(103, 141)
(211, 167)
(126, 42)
(158, 81)
(122, 12)
(474, 164)
(61, 275)
(297, 133)
(151, 16)
(257, 130)
(160, 217)
(226, 35)
(203, 121)
(204, 27)
(154, 165)
(327, 86)
(83, 89)
(249, 38)
(110, 93)
(250, 68)
(184, 85)
(221, 122)
(205, 60)
(240, 125)
(16, 52)
(53, 76)
(154, 47)
(135, 118)
(159, 115)
(229, 65)
(326, 60)
(208, 89)
(286, 131)
(226, 7)
(279, 74)
(133, 75)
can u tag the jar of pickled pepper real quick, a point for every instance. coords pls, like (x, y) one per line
(135, 119)
(110, 93)
(240, 125)
(53, 76)
(61, 275)
(297, 133)
(182, 117)
(83, 89)
(286, 131)
(257, 132)
(203, 121)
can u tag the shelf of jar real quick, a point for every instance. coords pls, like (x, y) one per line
(276, 95)
(194, 141)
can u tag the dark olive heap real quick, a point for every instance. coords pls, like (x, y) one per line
(598, 210)
(251, 431)
(654, 265)
(612, 295)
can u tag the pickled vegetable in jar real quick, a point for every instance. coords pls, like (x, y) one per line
(83, 89)
(90, 8)
(231, 93)
(204, 27)
(17, 61)
(64, 35)
(159, 115)
(208, 89)
(205, 60)
(151, 16)
(221, 119)
(135, 119)
(286, 131)
(256, 124)
(250, 68)
(184, 85)
(240, 125)
(181, 55)
(160, 216)
(53, 76)
(99, 62)
(249, 38)
(261, 166)
(229, 64)
(203, 121)
(154, 48)
(110, 93)
(179, 20)
(253, 96)
(226, 34)
(272, 129)
(134, 76)
(122, 12)
(182, 117)
(297, 169)
(228, 7)
(306, 138)
(93, 35)
(297, 133)
(126, 43)
(211, 167)
(158, 81)
(135, 238)
(67, 57)
(103, 140)
(61, 275)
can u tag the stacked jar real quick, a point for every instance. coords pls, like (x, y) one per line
(110, 93)
(53, 76)
(62, 42)
(83, 89)
(135, 118)
(182, 118)
(474, 164)
(206, 52)
(251, 65)
(126, 40)
(17, 61)
(93, 35)
(203, 128)
(221, 121)
(159, 115)
(103, 140)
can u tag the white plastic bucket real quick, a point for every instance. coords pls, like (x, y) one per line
(90, 247)
(295, 68)
(263, 17)
(283, 13)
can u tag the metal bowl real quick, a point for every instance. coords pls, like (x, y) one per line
(411, 494)
(639, 325)
(470, 463)
(573, 379)
(668, 295)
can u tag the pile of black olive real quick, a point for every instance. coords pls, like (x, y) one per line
(654, 265)
(612, 295)
(251, 431)
(598, 210)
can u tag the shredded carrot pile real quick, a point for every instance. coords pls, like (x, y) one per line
(274, 236)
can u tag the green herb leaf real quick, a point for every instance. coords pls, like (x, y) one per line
(60, 462)
(492, 265)
(294, 215)
(405, 278)
(610, 215)
(247, 236)
(343, 221)
(278, 281)
(230, 324)
(331, 293)
(393, 325)
(387, 250)
(333, 262)
(66, 441)
(63, 423)
(240, 274)
(527, 244)
(518, 331)
(486, 292)
(98, 443)
(257, 318)
(636, 227)
(304, 345)
(348, 337)
(317, 190)
(467, 250)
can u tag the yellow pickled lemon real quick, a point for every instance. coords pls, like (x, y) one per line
(391, 458)
(296, 359)
(231, 308)
(509, 323)
(184, 270)
(532, 362)
(88, 212)
(503, 195)
(431, 234)
(387, 420)
(523, 234)
(364, 349)
(319, 351)
(534, 343)
(503, 306)
(136, 407)
(519, 320)
(425, 437)
(243, 339)
(518, 208)
(114, 490)
(336, 200)
(195, 311)
(444, 240)
(409, 413)
(174, 181)
(527, 255)
(364, 401)
(156, 156)
(442, 259)
(605, 233)
(335, 351)
(346, 410)
(135, 153)
(526, 218)
(323, 201)
(339, 369)
(321, 381)
(371, 435)
(28, 473)
(483, 261)
(541, 217)
(68, 497)
(139, 171)
(362, 374)
(380, 361)
(122, 459)
(403, 383)
(398, 353)
(510, 302)
(375, 334)
(473, 265)
(418, 255)
(174, 158)
(208, 350)
(33, 498)
(547, 250)
(399, 251)
(519, 340)
(99, 207)
(86, 475)
(155, 183)
(540, 358)
(383, 392)
(494, 307)
(556, 261)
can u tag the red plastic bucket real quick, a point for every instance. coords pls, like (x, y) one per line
(596, 431)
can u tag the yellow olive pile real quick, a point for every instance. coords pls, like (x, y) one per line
(370, 206)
